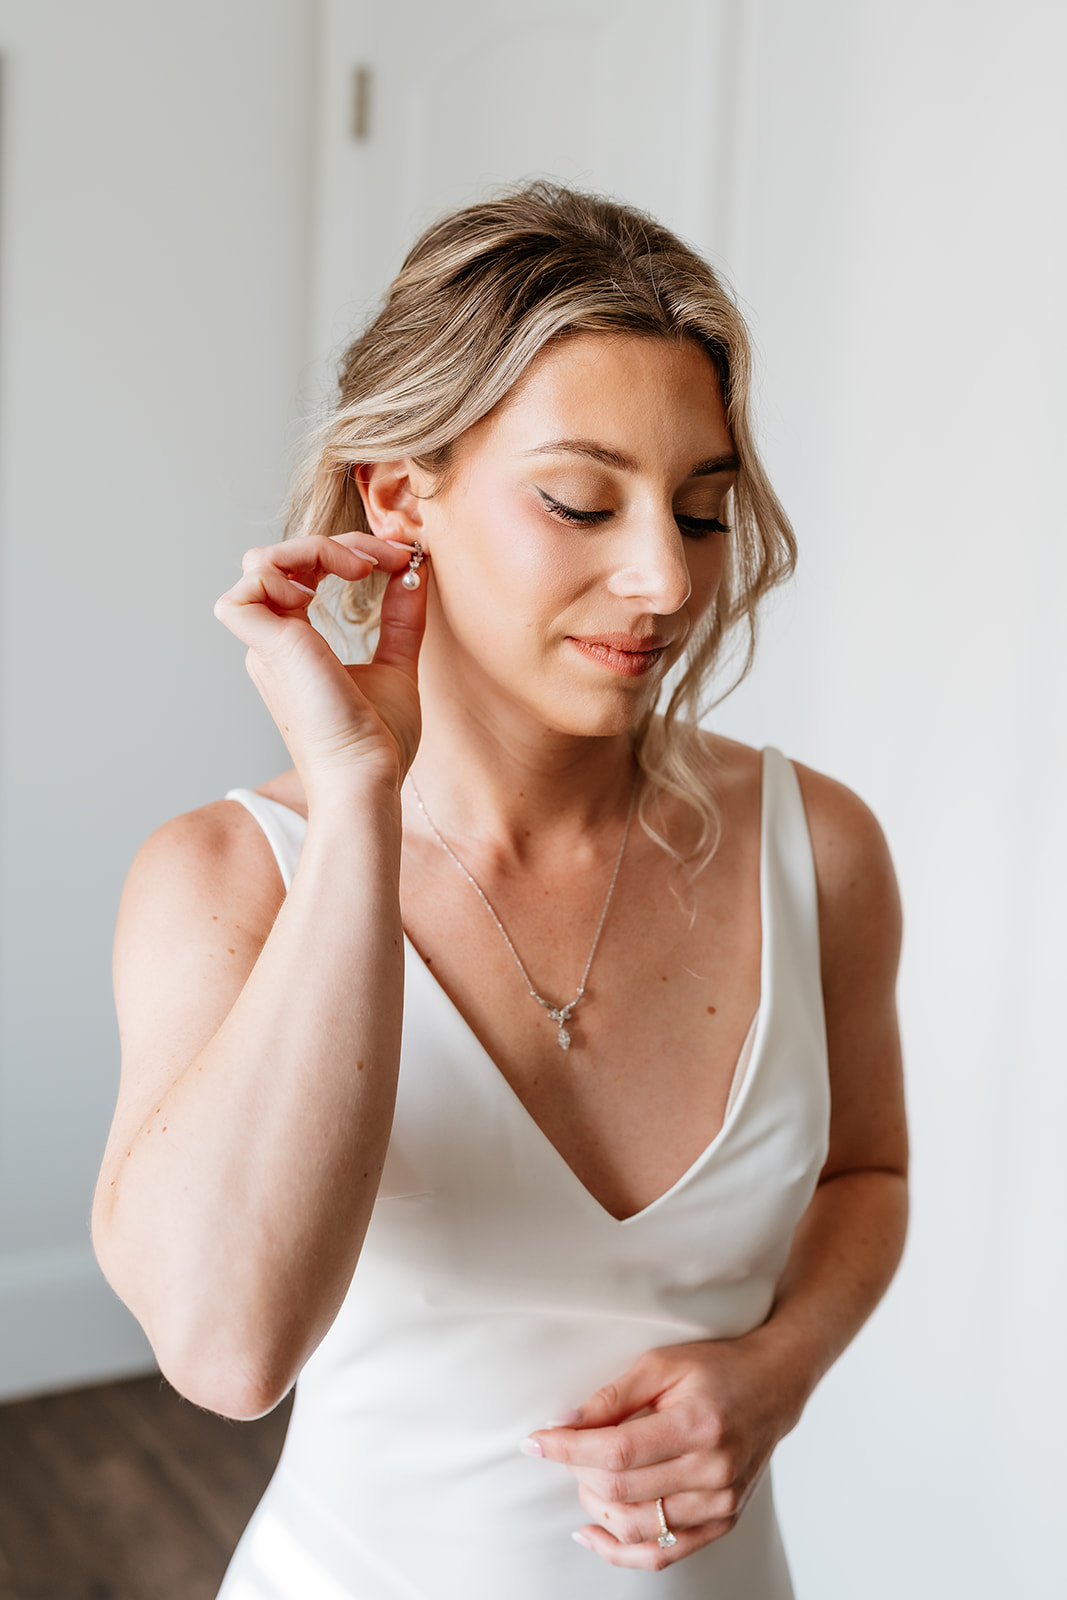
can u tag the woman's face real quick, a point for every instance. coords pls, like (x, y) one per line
(579, 539)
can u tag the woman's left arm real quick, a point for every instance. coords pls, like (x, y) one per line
(849, 1242)
(696, 1424)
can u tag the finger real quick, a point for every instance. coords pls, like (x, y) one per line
(641, 1386)
(718, 1490)
(649, 1556)
(256, 603)
(391, 555)
(268, 586)
(314, 558)
(631, 1488)
(639, 1523)
(640, 1442)
(403, 623)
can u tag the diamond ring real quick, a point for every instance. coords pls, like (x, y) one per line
(666, 1537)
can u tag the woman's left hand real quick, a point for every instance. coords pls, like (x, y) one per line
(691, 1424)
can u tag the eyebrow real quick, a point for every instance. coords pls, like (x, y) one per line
(625, 463)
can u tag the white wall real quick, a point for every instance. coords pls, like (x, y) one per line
(481, 92)
(153, 284)
(899, 230)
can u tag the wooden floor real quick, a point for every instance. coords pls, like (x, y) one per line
(125, 1492)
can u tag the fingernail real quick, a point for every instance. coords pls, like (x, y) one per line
(531, 1447)
(353, 533)
(302, 587)
(399, 544)
(567, 1420)
(580, 1538)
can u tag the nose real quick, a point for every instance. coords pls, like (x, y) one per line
(652, 566)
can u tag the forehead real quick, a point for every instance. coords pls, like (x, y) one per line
(647, 399)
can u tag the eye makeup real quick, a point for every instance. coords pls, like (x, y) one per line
(691, 527)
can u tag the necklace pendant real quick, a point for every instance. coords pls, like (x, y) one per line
(561, 1015)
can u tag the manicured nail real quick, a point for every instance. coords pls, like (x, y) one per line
(351, 534)
(531, 1447)
(580, 1538)
(302, 587)
(400, 544)
(567, 1420)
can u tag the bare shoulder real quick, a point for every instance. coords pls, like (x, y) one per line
(199, 901)
(218, 853)
(846, 836)
(849, 846)
(729, 759)
(859, 902)
(734, 773)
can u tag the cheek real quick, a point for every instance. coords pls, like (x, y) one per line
(517, 563)
(548, 569)
(705, 571)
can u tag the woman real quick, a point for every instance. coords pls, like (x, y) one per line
(619, 1148)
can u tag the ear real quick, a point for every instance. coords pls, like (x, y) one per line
(393, 507)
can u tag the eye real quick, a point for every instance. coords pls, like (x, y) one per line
(691, 527)
(583, 519)
(700, 527)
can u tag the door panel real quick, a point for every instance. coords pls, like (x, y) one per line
(624, 98)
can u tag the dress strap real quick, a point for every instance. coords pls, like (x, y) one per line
(284, 828)
(790, 896)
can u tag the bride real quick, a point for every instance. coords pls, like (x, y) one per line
(520, 1069)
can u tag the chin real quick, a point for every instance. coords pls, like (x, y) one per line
(597, 716)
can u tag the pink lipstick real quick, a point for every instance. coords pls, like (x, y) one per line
(629, 654)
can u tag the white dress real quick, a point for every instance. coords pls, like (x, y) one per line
(494, 1293)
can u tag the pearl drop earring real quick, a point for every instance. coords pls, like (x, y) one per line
(411, 579)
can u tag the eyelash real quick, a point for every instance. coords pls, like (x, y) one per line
(692, 527)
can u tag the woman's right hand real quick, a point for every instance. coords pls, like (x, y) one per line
(338, 722)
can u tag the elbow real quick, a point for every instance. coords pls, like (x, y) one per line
(214, 1369)
(201, 1365)
(227, 1391)
(215, 1365)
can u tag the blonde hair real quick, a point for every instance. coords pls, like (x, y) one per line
(480, 295)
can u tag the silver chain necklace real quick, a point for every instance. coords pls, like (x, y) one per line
(560, 1015)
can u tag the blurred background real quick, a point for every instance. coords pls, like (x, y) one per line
(197, 202)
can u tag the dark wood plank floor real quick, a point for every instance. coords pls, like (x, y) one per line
(126, 1492)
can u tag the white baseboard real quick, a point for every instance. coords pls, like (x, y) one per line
(62, 1326)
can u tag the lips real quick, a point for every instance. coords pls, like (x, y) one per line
(629, 654)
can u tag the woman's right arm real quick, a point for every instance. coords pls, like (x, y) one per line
(261, 1033)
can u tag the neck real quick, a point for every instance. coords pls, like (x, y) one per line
(519, 789)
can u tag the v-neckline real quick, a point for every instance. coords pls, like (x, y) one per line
(752, 1047)
(735, 1102)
